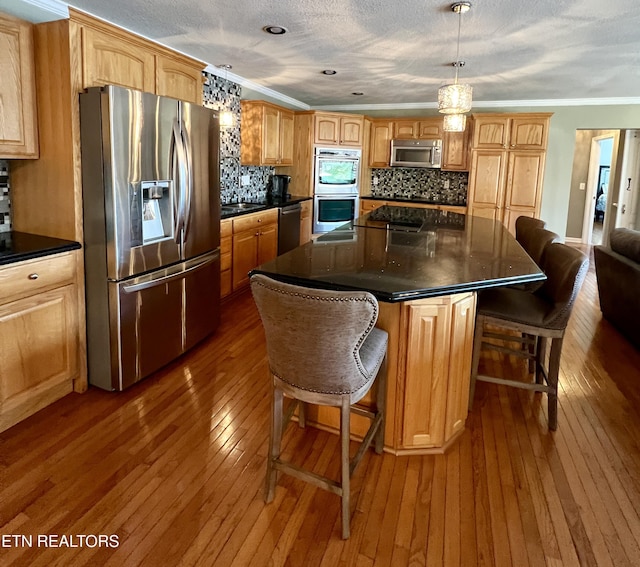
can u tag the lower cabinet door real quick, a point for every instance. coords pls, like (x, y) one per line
(425, 374)
(38, 352)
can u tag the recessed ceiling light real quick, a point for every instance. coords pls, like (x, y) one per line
(275, 30)
(357, 94)
(329, 72)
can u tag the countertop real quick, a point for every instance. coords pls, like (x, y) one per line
(18, 246)
(264, 205)
(403, 253)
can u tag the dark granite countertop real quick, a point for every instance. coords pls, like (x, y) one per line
(403, 253)
(18, 246)
(264, 205)
(400, 200)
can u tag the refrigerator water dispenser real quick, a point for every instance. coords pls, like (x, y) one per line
(156, 211)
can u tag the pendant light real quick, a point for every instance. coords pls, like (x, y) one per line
(454, 122)
(226, 116)
(455, 98)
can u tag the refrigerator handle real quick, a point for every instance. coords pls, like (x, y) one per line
(133, 288)
(188, 185)
(180, 176)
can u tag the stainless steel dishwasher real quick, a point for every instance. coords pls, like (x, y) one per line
(288, 227)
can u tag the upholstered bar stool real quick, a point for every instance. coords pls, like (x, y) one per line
(524, 224)
(536, 316)
(323, 349)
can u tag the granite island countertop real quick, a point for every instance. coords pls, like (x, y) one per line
(403, 253)
(18, 246)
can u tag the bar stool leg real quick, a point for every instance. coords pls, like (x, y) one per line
(475, 360)
(345, 414)
(275, 439)
(554, 369)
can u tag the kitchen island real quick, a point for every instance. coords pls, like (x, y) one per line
(425, 267)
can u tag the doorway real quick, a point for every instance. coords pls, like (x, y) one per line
(596, 220)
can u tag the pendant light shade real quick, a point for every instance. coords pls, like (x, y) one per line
(454, 122)
(455, 98)
(226, 117)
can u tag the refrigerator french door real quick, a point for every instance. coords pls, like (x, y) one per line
(151, 198)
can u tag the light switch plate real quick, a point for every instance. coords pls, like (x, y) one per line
(583, 186)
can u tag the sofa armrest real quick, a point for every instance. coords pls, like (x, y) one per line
(619, 291)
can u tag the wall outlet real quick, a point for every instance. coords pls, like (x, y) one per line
(446, 184)
(583, 186)
(375, 181)
(245, 180)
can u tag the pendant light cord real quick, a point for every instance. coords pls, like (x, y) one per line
(457, 62)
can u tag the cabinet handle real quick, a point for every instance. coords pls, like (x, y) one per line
(257, 234)
(33, 276)
(513, 145)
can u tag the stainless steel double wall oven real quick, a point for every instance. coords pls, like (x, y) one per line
(335, 187)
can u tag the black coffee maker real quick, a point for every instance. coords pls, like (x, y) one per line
(278, 188)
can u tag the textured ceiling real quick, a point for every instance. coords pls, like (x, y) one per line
(399, 52)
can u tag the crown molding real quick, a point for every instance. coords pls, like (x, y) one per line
(488, 104)
(257, 87)
(36, 11)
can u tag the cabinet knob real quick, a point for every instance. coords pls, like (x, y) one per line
(513, 145)
(33, 276)
(259, 220)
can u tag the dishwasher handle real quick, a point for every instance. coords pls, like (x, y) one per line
(291, 209)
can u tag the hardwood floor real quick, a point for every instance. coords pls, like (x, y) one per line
(174, 467)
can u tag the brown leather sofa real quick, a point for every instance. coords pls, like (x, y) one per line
(618, 275)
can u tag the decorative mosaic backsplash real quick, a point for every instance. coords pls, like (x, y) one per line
(5, 203)
(420, 183)
(223, 94)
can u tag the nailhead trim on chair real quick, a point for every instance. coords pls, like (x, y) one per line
(360, 341)
(561, 319)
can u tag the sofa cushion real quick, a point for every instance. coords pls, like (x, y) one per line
(626, 242)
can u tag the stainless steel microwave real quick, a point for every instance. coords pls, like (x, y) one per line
(416, 153)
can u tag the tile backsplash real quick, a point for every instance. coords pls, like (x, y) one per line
(223, 94)
(5, 202)
(420, 183)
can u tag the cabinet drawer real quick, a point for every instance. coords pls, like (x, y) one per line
(32, 276)
(226, 228)
(225, 245)
(255, 220)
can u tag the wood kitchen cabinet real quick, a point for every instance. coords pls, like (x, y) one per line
(511, 131)
(255, 241)
(380, 147)
(507, 166)
(112, 56)
(18, 111)
(434, 377)
(266, 134)
(39, 327)
(455, 150)
(226, 249)
(306, 221)
(418, 129)
(338, 129)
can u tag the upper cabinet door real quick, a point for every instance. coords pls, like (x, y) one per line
(178, 80)
(18, 116)
(327, 129)
(529, 133)
(351, 130)
(490, 132)
(430, 129)
(286, 137)
(108, 60)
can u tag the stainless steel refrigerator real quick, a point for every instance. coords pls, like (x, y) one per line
(151, 194)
